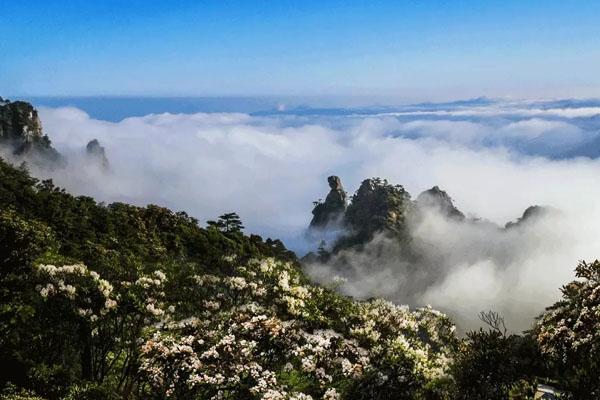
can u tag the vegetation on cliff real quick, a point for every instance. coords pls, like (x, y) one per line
(21, 133)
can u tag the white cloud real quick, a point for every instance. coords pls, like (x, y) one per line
(505, 110)
(270, 169)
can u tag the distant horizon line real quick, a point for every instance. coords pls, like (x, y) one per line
(376, 99)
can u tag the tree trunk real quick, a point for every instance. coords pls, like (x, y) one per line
(87, 369)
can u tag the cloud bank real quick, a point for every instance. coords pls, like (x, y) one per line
(495, 160)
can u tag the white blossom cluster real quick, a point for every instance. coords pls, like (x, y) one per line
(85, 289)
(260, 331)
(424, 336)
(571, 326)
(232, 354)
(96, 300)
(151, 289)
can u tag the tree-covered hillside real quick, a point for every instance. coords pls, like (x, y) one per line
(124, 302)
(137, 302)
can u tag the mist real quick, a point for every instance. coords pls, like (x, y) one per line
(494, 161)
(464, 267)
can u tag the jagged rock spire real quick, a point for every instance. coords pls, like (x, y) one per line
(333, 207)
(97, 153)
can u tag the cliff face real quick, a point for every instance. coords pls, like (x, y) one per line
(376, 207)
(379, 207)
(332, 208)
(19, 122)
(21, 132)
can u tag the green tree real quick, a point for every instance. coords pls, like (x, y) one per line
(490, 364)
(568, 333)
(227, 223)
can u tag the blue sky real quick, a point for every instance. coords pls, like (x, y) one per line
(383, 50)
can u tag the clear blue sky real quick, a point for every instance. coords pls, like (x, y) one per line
(400, 49)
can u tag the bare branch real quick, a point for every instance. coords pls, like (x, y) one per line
(494, 320)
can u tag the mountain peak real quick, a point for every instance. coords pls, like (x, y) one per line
(437, 199)
(333, 207)
(21, 131)
(97, 153)
(531, 213)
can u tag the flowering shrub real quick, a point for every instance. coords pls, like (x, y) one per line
(89, 295)
(162, 307)
(265, 332)
(569, 332)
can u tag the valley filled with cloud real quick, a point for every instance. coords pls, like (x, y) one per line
(494, 157)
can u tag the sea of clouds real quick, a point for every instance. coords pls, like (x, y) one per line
(495, 158)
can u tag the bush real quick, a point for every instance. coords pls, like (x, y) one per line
(568, 333)
(90, 391)
(11, 392)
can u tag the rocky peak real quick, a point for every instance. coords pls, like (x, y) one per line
(437, 199)
(377, 206)
(531, 213)
(21, 131)
(19, 121)
(97, 153)
(336, 196)
(333, 207)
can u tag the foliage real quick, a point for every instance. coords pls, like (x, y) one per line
(377, 206)
(74, 280)
(568, 333)
(11, 392)
(118, 301)
(491, 365)
(228, 223)
(268, 333)
(103, 301)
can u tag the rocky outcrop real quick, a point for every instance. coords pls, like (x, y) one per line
(532, 213)
(376, 207)
(334, 206)
(438, 200)
(21, 132)
(380, 210)
(97, 154)
(19, 122)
